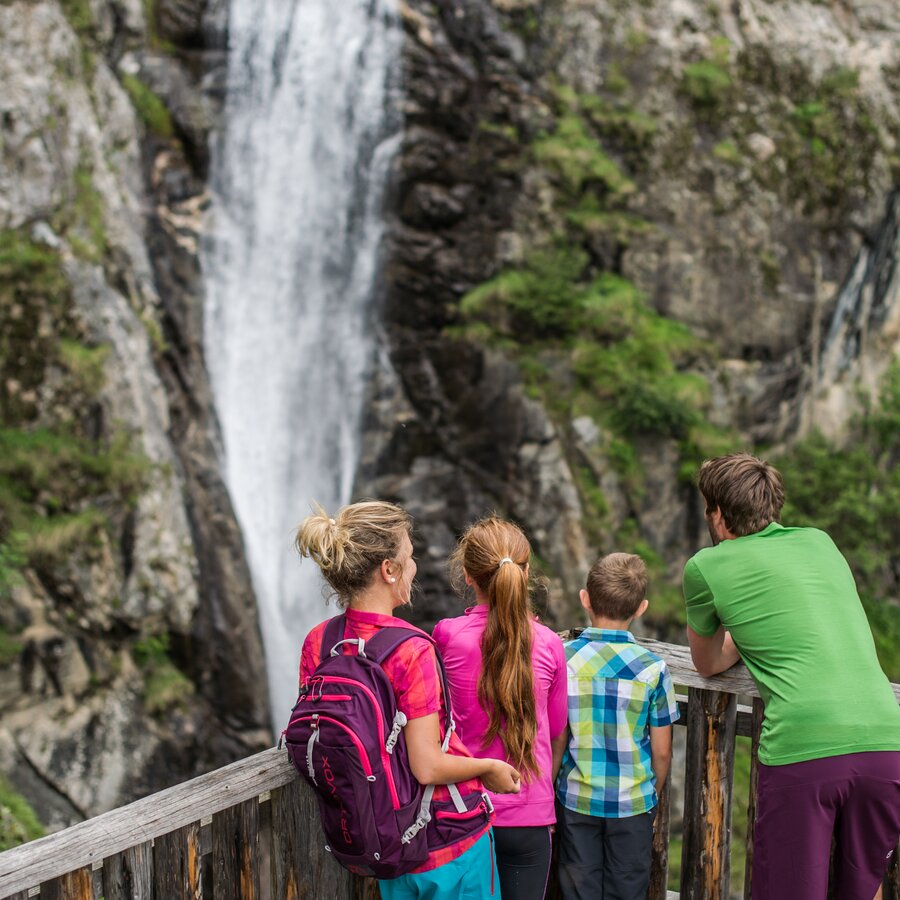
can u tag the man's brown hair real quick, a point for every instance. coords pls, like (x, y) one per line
(748, 491)
(616, 585)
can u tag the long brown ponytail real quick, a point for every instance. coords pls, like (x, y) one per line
(495, 554)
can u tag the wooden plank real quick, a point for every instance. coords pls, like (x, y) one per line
(115, 831)
(736, 680)
(176, 865)
(235, 852)
(755, 730)
(77, 885)
(301, 867)
(659, 862)
(129, 875)
(365, 888)
(743, 726)
(709, 769)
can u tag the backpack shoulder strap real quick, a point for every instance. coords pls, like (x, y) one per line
(332, 634)
(387, 640)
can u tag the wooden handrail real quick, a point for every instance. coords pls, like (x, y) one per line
(158, 837)
(110, 833)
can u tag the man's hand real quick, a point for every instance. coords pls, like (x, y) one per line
(713, 653)
(501, 778)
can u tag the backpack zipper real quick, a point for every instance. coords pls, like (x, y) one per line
(468, 814)
(385, 756)
(317, 719)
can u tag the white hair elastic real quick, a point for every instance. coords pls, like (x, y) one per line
(505, 559)
(332, 521)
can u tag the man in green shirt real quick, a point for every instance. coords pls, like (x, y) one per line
(784, 601)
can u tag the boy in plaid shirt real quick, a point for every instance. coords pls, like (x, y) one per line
(619, 744)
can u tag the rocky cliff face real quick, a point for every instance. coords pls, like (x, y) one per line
(618, 238)
(131, 654)
(577, 176)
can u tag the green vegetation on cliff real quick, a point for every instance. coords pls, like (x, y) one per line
(61, 476)
(18, 821)
(165, 686)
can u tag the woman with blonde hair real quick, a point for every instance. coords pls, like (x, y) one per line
(365, 554)
(507, 675)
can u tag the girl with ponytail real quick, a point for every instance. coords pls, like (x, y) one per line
(507, 676)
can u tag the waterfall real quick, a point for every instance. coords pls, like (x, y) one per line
(866, 298)
(290, 265)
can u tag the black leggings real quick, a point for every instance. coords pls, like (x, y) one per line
(523, 861)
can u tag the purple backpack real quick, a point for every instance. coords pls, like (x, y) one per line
(345, 737)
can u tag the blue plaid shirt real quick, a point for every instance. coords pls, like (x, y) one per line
(617, 691)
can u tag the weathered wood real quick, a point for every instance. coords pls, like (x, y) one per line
(301, 867)
(892, 877)
(365, 888)
(77, 885)
(111, 833)
(709, 769)
(129, 875)
(176, 865)
(659, 863)
(235, 849)
(735, 680)
(755, 730)
(19, 895)
(744, 721)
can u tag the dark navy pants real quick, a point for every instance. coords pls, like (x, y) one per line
(604, 858)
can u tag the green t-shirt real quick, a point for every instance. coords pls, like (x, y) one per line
(789, 600)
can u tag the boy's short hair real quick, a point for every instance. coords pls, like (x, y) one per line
(616, 585)
(748, 491)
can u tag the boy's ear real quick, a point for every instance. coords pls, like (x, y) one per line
(642, 608)
(585, 599)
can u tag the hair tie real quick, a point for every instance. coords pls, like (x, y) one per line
(505, 559)
(332, 521)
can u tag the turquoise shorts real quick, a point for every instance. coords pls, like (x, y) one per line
(471, 876)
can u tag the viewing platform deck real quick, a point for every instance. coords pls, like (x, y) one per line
(250, 830)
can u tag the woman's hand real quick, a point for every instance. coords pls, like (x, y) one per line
(501, 778)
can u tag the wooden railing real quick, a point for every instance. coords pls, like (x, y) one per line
(250, 831)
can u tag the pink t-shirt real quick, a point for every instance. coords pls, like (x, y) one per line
(460, 642)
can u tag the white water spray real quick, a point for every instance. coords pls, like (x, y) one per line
(290, 265)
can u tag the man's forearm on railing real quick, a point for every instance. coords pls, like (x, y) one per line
(712, 653)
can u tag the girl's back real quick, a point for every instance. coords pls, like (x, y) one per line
(459, 640)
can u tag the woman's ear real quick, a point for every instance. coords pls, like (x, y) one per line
(387, 571)
(470, 581)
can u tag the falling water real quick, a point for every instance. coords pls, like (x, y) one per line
(866, 298)
(290, 266)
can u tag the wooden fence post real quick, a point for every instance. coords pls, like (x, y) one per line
(77, 885)
(235, 849)
(129, 875)
(709, 769)
(176, 865)
(659, 865)
(301, 868)
(755, 729)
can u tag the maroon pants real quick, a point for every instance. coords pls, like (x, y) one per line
(853, 798)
